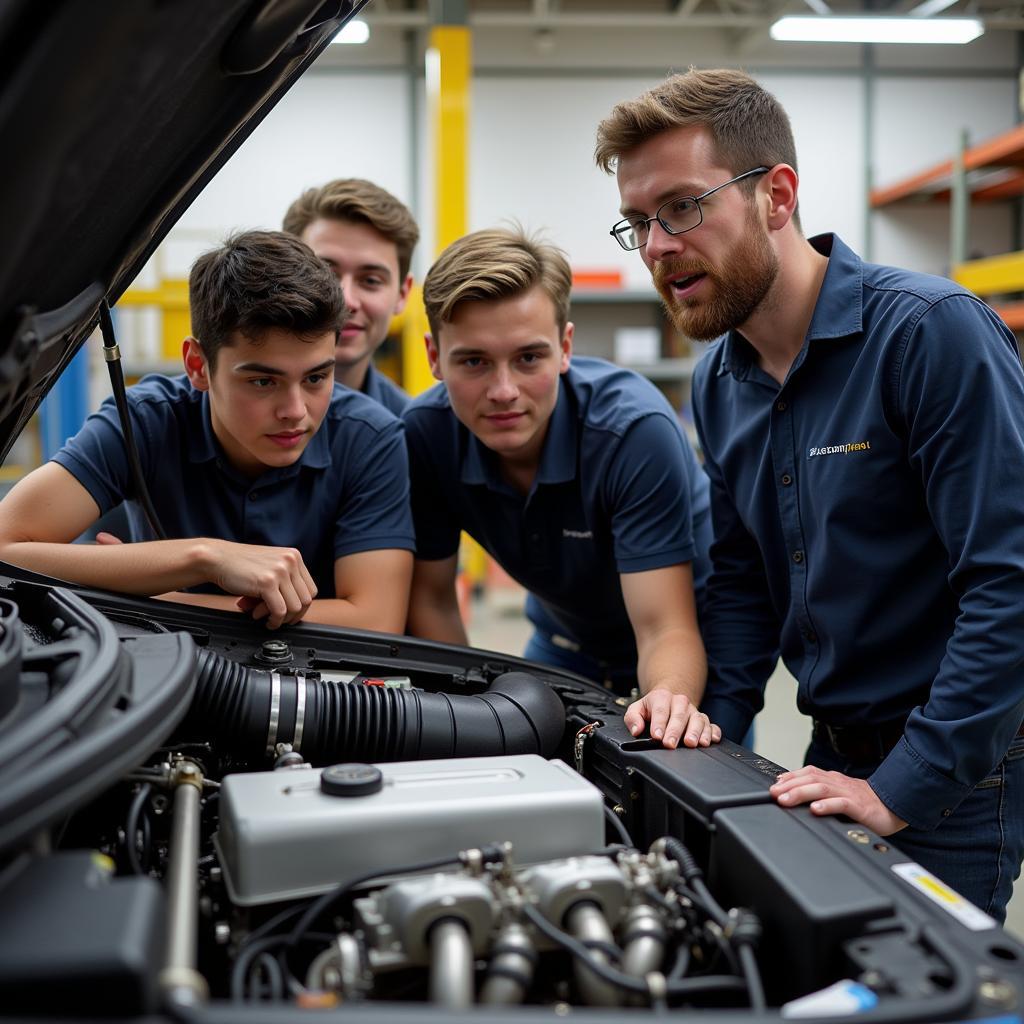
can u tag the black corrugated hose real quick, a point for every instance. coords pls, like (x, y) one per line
(250, 710)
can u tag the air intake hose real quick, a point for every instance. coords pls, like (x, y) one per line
(251, 710)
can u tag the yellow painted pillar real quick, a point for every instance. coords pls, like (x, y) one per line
(448, 73)
(416, 376)
(449, 76)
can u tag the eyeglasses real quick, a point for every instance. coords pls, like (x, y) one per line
(675, 216)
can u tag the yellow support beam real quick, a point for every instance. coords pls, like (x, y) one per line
(171, 298)
(996, 275)
(411, 325)
(448, 72)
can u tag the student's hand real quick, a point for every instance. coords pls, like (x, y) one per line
(835, 793)
(671, 716)
(276, 579)
(107, 538)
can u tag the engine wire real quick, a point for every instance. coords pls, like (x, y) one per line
(131, 838)
(717, 983)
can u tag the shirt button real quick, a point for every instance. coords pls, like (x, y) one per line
(947, 812)
(781, 406)
(787, 479)
(798, 557)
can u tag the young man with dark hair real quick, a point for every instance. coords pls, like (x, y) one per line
(863, 429)
(575, 477)
(284, 495)
(367, 238)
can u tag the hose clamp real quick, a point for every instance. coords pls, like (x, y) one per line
(275, 710)
(300, 709)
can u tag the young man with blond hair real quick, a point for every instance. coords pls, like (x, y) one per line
(572, 473)
(367, 238)
(863, 429)
(283, 496)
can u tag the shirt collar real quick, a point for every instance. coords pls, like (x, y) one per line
(838, 311)
(479, 465)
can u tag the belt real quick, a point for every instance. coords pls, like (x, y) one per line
(858, 743)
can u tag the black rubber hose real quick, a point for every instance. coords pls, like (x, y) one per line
(329, 721)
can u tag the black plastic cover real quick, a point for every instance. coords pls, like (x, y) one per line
(75, 939)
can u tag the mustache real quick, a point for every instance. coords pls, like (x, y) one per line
(665, 269)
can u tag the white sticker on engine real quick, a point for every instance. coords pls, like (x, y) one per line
(950, 900)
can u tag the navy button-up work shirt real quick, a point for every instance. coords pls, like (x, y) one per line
(348, 491)
(869, 525)
(618, 490)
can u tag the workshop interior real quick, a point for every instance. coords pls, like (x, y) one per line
(202, 820)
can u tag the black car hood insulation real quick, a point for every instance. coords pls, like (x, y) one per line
(113, 117)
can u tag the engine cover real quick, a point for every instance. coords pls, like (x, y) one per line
(281, 837)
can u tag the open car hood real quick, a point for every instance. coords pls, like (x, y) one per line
(113, 117)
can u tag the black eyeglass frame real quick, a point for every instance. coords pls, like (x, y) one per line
(626, 224)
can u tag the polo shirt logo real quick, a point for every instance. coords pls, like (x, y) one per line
(578, 534)
(840, 449)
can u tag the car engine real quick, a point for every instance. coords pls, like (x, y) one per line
(196, 816)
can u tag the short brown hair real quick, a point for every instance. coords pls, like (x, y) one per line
(258, 280)
(358, 200)
(488, 266)
(748, 125)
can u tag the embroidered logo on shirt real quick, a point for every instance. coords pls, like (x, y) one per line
(840, 449)
(578, 534)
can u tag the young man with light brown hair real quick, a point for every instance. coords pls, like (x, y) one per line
(863, 429)
(572, 473)
(367, 237)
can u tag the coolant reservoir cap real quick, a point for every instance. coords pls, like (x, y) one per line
(351, 780)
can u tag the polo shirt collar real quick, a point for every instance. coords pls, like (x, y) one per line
(558, 456)
(838, 312)
(204, 447)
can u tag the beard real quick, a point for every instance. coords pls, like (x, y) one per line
(738, 286)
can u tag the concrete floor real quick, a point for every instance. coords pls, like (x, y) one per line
(496, 623)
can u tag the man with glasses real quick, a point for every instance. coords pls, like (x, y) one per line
(572, 473)
(863, 430)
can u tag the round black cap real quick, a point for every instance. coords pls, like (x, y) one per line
(351, 780)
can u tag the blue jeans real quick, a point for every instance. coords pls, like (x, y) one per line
(541, 647)
(978, 849)
(619, 679)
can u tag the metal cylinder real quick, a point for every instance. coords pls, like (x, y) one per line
(643, 945)
(511, 970)
(586, 923)
(643, 941)
(451, 964)
(179, 978)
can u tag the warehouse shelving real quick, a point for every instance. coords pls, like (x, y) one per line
(990, 171)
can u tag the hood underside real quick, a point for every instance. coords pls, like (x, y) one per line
(113, 118)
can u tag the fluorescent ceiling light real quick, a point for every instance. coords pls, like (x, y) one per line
(835, 29)
(355, 31)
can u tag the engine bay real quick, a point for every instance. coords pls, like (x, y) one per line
(198, 818)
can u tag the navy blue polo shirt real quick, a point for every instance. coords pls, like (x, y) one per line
(347, 493)
(618, 490)
(869, 525)
(383, 389)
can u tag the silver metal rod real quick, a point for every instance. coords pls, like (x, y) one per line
(586, 922)
(451, 964)
(180, 979)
